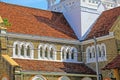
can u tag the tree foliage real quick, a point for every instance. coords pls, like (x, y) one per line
(6, 22)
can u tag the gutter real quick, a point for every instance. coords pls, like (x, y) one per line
(42, 38)
(53, 73)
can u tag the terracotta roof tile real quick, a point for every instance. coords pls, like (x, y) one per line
(36, 22)
(51, 66)
(104, 23)
(115, 63)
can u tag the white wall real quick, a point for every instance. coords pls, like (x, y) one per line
(87, 19)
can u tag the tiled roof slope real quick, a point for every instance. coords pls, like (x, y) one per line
(49, 66)
(104, 23)
(115, 63)
(36, 22)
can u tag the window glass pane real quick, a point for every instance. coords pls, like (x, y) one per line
(63, 53)
(93, 52)
(22, 50)
(28, 50)
(89, 53)
(99, 52)
(41, 50)
(16, 49)
(72, 54)
(46, 52)
(67, 54)
(51, 53)
(103, 51)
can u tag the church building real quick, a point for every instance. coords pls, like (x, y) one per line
(85, 9)
(61, 43)
(39, 45)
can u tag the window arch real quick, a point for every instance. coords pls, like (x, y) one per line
(99, 50)
(29, 50)
(63, 53)
(39, 77)
(16, 49)
(93, 52)
(46, 52)
(73, 53)
(67, 52)
(103, 51)
(52, 52)
(64, 78)
(90, 53)
(40, 51)
(23, 49)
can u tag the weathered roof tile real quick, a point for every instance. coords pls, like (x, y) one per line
(104, 23)
(51, 66)
(36, 22)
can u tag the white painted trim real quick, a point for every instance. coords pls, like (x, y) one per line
(100, 59)
(110, 36)
(25, 44)
(42, 38)
(68, 49)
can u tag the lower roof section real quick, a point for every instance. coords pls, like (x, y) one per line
(115, 63)
(51, 66)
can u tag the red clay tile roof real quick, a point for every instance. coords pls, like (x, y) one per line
(104, 23)
(115, 63)
(36, 22)
(51, 66)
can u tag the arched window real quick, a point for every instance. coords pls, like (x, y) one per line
(73, 52)
(41, 52)
(64, 78)
(46, 52)
(51, 52)
(22, 50)
(16, 49)
(28, 51)
(63, 53)
(103, 51)
(88, 54)
(99, 51)
(93, 52)
(38, 77)
(67, 54)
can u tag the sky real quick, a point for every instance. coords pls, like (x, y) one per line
(41, 4)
